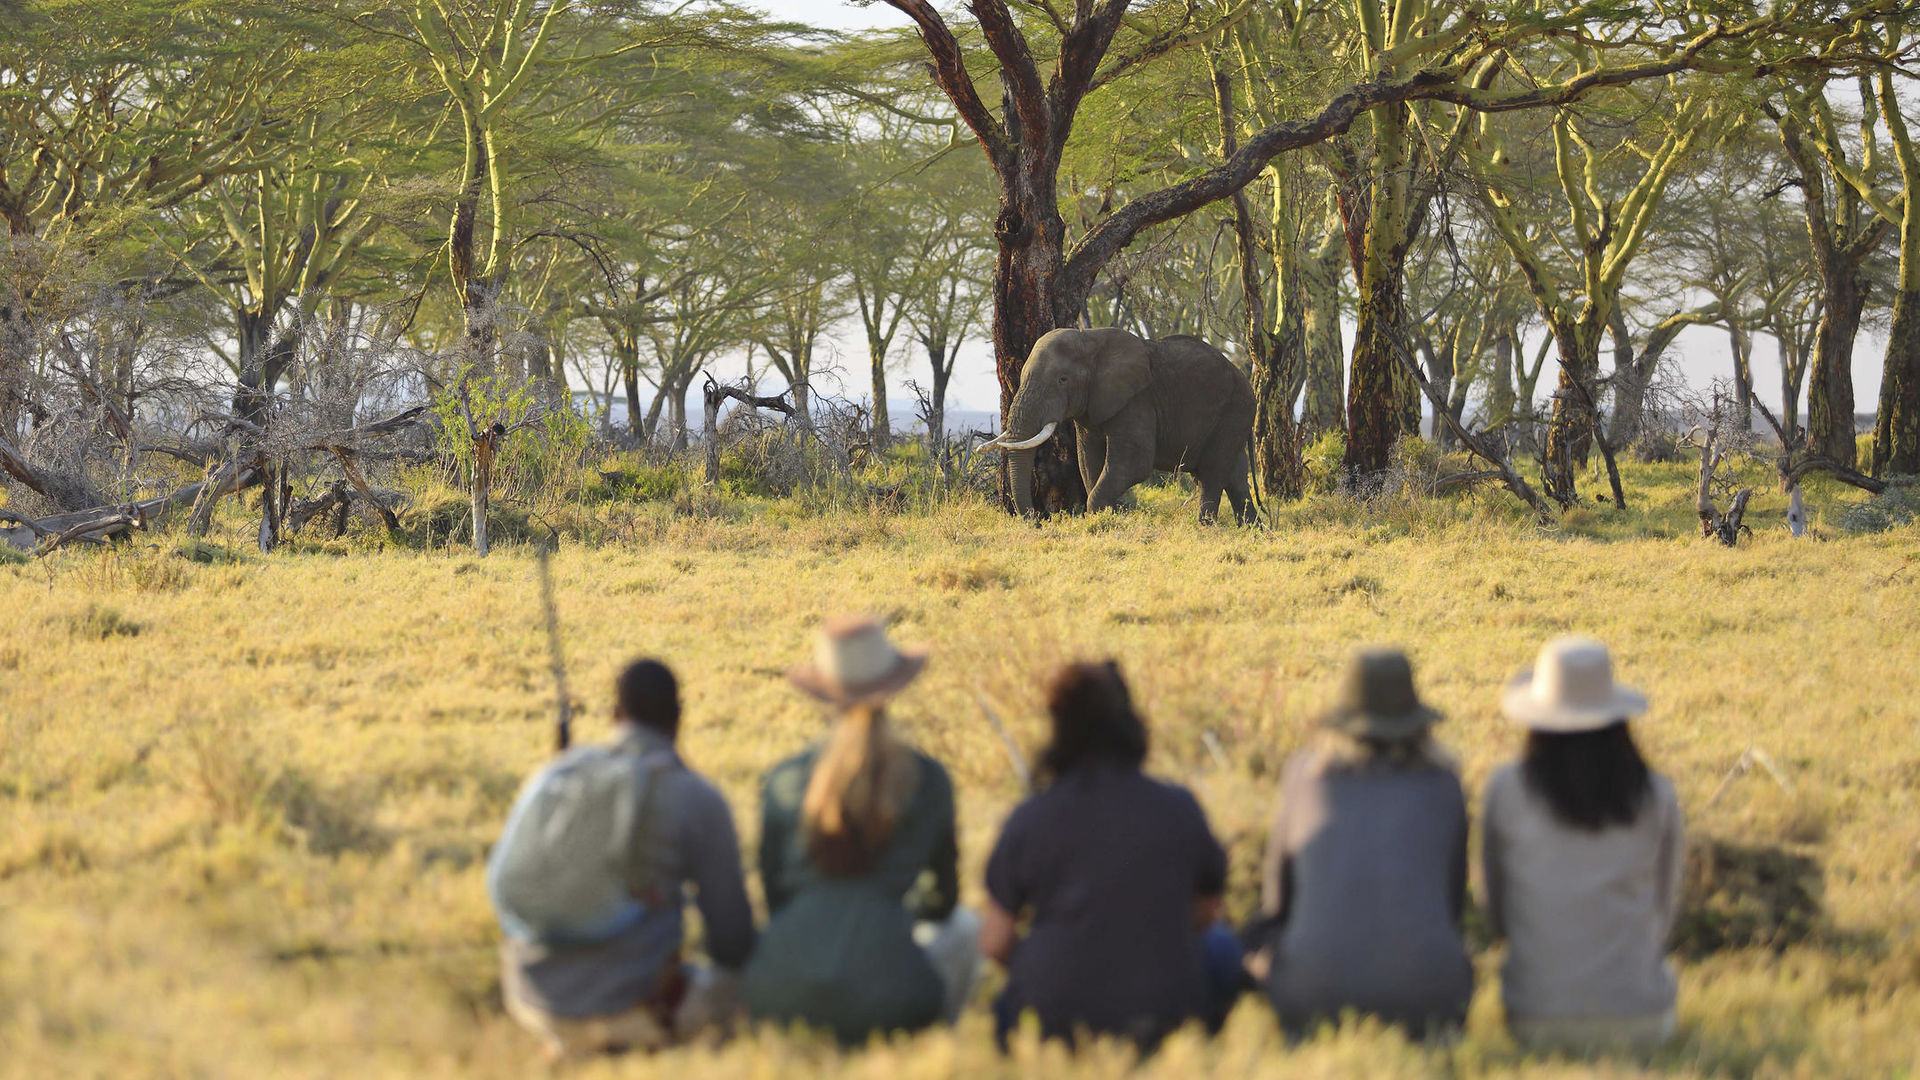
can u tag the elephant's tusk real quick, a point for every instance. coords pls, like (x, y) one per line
(1045, 434)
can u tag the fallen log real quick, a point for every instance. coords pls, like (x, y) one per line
(105, 522)
(1463, 480)
(126, 518)
(16, 466)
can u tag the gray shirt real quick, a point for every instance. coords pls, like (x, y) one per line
(1586, 913)
(695, 844)
(1364, 885)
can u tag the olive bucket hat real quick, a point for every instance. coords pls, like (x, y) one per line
(1376, 698)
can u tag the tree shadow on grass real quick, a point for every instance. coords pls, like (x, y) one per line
(1739, 896)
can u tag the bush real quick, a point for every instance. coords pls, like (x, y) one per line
(541, 456)
(636, 481)
(1323, 462)
(1654, 446)
(1896, 507)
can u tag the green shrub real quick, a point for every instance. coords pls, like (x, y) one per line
(1322, 460)
(636, 482)
(538, 460)
(1897, 506)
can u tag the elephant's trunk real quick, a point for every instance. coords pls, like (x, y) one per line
(1019, 440)
(1020, 478)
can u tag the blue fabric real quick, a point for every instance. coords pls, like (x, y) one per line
(1227, 978)
(1220, 953)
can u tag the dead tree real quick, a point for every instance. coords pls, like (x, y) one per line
(240, 471)
(486, 442)
(1718, 438)
(713, 394)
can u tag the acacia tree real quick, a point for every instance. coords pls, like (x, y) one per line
(1844, 233)
(950, 285)
(1896, 436)
(514, 70)
(278, 235)
(123, 109)
(1896, 433)
(1607, 224)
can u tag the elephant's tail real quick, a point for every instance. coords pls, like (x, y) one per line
(1253, 483)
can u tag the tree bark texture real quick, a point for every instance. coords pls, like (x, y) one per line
(1896, 432)
(1326, 391)
(1842, 239)
(1570, 431)
(1277, 346)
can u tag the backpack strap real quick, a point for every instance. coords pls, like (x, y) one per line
(637, 836)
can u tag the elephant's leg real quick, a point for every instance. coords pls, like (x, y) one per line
(1237, 492)
(1209, 501)
(1093, 456)
(1127, 465)
(1238, 495)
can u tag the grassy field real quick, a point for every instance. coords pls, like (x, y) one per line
(245, 800)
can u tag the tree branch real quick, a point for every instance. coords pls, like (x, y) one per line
(949, 70)
(1110, 236)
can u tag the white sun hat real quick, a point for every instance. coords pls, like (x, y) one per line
(1570, 688)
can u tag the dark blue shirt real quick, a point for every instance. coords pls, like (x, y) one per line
(1110, 863)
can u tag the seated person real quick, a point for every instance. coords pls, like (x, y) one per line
(849, 829)
(1366, 869)
(1121, 877)
(588, 877)
(1582, 851)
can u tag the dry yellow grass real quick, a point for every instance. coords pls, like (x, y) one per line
(244, 802)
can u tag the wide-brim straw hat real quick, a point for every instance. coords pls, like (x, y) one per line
(1570, 689)
(1376, 698)
(854, 664)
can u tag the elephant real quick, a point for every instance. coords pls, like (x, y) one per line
(1137, 405)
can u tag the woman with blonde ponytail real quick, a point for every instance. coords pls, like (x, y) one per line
(858, 943)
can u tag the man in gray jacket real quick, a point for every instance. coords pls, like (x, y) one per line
(589, 878)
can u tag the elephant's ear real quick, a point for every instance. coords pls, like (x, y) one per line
(1123, 373)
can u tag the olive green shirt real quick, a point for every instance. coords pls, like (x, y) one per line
(838, 952)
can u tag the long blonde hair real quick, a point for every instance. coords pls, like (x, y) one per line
(861, 784)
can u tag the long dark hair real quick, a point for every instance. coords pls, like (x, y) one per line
(1093, 720)
(1590, 779)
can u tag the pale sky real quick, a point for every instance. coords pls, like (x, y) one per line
(1702, 353)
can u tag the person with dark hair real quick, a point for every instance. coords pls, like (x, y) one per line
(1582, 858)
(1121, 877)
(859, 857)
(1366, 871)
(588, 883)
